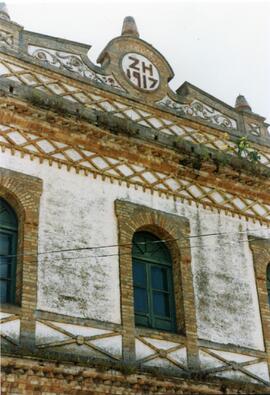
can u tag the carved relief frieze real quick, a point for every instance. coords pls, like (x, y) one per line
(199, 110)
(71, 62)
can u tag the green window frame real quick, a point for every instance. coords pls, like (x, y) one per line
(154, 304)
(8, 251)
(268, 282)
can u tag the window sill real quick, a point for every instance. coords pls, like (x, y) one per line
(10, 309)
(161, 335)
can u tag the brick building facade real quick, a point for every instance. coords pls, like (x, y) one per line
(134, 225)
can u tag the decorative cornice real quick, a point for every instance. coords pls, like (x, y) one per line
(90, 97)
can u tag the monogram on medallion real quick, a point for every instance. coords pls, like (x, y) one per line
(140, 71)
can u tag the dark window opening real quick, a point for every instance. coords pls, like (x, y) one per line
(152, 283)
(8, 251)
(268, 282)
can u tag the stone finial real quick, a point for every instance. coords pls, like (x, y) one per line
(241, 104)
(129, 27)
(4, 12)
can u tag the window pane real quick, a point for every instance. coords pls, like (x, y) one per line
(140, 300)
(139, 274)
(5, 244)
(7, 216)
(148, 246)
(159, 278)
(161, 304)
(3, 291)
(4, 271)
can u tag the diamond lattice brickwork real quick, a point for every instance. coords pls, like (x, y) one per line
(133, 174)
(72, 91)
(83, 339)
(226, 364)
(153, 352)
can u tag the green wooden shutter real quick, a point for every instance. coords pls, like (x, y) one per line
(152, 283)
(8, 248)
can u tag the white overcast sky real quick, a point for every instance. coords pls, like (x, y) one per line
(222, 47)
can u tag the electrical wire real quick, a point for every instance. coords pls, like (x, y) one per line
(130, 244)
(78, 258)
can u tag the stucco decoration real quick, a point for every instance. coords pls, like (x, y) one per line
(199, 110)
(254, 128)
(71, 62)
(140, 71)
(6, 39)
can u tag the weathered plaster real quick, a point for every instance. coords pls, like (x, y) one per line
(78, 211)
(11, 329)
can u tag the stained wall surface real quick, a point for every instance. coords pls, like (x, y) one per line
(77, 211)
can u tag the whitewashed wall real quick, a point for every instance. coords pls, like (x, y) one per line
(78, 211)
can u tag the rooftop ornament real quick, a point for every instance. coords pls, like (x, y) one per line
(129, 27)
(4, 12)
(241, 104)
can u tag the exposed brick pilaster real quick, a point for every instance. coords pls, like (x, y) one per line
(23, 193)
(131, 218)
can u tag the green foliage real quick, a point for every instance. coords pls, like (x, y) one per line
(244, 150)
(254, 156)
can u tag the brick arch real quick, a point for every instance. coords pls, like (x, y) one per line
(14, 201)
(23, 192)
(132, 218)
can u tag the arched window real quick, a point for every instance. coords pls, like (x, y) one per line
(8, 250)
(152, 283)
(268, 282)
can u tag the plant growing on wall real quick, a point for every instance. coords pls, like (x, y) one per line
(244, 150)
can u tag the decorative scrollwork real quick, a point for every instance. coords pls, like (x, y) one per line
(199, 110)
(254, 129)
(72, 63)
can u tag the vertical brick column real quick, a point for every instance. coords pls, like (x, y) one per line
(126, 229)
(131, 218)
(23, 192)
